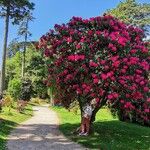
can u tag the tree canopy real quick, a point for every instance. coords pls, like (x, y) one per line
(133, 13)
(17, 9)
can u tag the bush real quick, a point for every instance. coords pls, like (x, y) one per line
(36, 100)
(21, 104)
(14, 88)
(100, 58)
(26, 90)
(8, 102)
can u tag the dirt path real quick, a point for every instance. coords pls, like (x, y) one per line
(40, 133)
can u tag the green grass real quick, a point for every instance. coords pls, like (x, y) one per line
(110, 134)
(8, 120)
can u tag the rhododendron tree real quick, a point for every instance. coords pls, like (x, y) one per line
(99, 58)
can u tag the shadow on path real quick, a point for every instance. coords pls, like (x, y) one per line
(5, 127)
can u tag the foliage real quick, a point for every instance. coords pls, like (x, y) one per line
(23, 29)
(8, 122)
(13, 10)
(74, 107)
(36, 100)
(14, 88)
(8, 102)
(26, 90)
(17, 9)
(21, 104)
(16, 46)
(110, 134)
(99, 58)
(13, 68)
(133, 13)
(36, 70)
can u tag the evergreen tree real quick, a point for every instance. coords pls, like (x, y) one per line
(14, 10)
(133, 13)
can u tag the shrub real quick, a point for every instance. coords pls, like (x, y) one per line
(21, 104)
(36, 100)
(26, 90)
(100, 58)
(8, 102)
(14, 88)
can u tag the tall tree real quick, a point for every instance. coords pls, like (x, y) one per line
(14, 10)
(24, 31)
(133, 13)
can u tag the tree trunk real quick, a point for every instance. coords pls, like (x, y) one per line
(24, 51)
(51, 96)
(2, 81)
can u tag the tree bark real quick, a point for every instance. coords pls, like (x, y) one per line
(24, 51)
(2, 81)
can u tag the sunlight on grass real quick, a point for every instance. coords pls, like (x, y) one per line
(110, 133)
(8, 120)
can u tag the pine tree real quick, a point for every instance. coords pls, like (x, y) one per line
(13, 10)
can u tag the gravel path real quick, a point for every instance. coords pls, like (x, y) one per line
(40, 133)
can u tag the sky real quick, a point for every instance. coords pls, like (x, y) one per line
(47, 13)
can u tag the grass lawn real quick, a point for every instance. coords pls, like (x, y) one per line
(8, 120)
(110, 134)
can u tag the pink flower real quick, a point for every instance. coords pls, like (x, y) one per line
(146, 89)
(90, 32)
(146, 110)
(122, 41)
(109, 74)
(69, 77)
(103, 76)
(81, 57)
(97, 100)
(148, 100)
(86, 91)
(138, 71)
(114, 58)
(76, 57)
(78, 91)
(78, 46)
(94, 75)
(112, 47)
(142, 83)
(145, 65)
(96, 81)
(106, 67)
(122, 101)
(92, 94)
(133, 51)
(101, 92)
(103, 62)
(84, 86)
(93, 64)
(115, 95)
(123, 71)
(122, 81)
(98, 32)
(116, 64)
(69, 40)
(75, 86)
(144, 50)
(110, 96)
(71, 58)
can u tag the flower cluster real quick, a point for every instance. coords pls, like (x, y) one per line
(100, 58)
